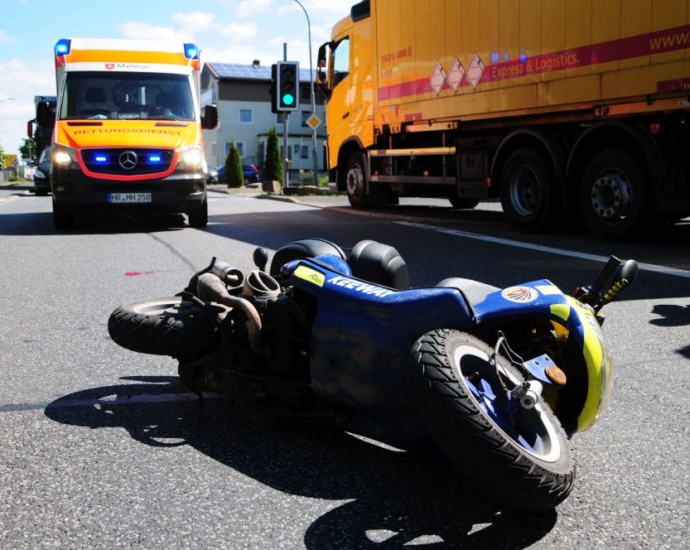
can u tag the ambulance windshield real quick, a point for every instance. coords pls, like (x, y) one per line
(121, 95)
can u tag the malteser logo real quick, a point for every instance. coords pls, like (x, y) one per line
(110, 66)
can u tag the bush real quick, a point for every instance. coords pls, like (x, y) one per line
(273, 167)
(233, 167)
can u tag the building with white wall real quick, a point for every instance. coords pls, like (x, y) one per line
(242, 95)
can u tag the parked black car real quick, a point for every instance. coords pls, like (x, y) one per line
(42, 173)
(251, 174)
(212, 175)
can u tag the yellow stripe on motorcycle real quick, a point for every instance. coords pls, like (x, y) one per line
(596, 370)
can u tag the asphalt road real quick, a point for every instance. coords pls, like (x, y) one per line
(102, 448)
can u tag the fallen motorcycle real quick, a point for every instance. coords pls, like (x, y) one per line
(497, 380)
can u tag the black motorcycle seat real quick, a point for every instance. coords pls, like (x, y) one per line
(475, 292)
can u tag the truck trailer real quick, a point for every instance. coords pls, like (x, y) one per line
(127, 130)
(563, 109)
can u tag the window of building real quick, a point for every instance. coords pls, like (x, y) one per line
(240, 148)
(305, 117)
(305, 151)
(246, 116)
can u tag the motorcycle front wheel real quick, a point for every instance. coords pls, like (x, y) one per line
(520, 457)
(171, 326)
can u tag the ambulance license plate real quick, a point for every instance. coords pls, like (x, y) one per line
(129, 197)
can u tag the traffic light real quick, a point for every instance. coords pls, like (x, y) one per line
(287, 86)
(272, 90)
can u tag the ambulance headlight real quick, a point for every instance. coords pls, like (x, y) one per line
(192, 157)
(63, 156)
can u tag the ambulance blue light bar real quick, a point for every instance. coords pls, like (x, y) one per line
(63, 46)
(191, 51)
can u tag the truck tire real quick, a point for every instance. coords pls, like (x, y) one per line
(526, 187)
(172, 326)
(518, 456)
(355, 181)
(613, 195)
(463, 203)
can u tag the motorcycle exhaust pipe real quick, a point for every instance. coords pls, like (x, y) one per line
(210, 288)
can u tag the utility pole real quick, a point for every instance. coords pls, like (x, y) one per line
(313, 101)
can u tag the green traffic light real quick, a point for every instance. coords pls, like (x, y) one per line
(288, 99)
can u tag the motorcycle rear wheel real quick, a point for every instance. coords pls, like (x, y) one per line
(519, 457)
(171, 326)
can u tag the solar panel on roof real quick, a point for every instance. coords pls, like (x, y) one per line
(236, 70)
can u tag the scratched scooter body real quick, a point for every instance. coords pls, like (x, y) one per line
(496, 380)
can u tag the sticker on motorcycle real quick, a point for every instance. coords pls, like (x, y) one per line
(360, 286)
(520, 294)
(310, 275)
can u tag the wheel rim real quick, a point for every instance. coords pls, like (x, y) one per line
(611, 196)
(161, 307)
(525, 191)
(489, 387)
(355, 180)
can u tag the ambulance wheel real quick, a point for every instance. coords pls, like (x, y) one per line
(61, 218)
(199, 216)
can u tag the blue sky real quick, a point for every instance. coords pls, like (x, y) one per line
(229, 31)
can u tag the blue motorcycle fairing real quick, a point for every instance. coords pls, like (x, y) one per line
(363, 333)
(361, 339)
(535, 297)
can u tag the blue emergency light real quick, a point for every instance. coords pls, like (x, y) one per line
(191, 51)
(63, 46)
(154, 158)
(100, 158)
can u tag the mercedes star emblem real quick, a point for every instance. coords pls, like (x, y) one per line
(128, 160)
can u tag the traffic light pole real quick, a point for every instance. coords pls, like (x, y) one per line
(286, 182)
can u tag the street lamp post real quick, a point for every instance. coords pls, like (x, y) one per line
(313, 102)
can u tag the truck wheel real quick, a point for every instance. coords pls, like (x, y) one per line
(526, 191)
(199, 216)
(613, 195)
(519, 456)
(61, 218)
(165, 326)
(355, 180)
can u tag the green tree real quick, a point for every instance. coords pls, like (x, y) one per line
(2, 158)
(273, 167)
(233, 167)
(27, 149)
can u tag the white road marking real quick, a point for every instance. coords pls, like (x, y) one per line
(539, 248)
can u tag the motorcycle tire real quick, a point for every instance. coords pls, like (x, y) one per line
(172, 326)
(519, 457)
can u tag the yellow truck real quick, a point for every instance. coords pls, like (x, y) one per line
(127, 129)
(563, 109)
